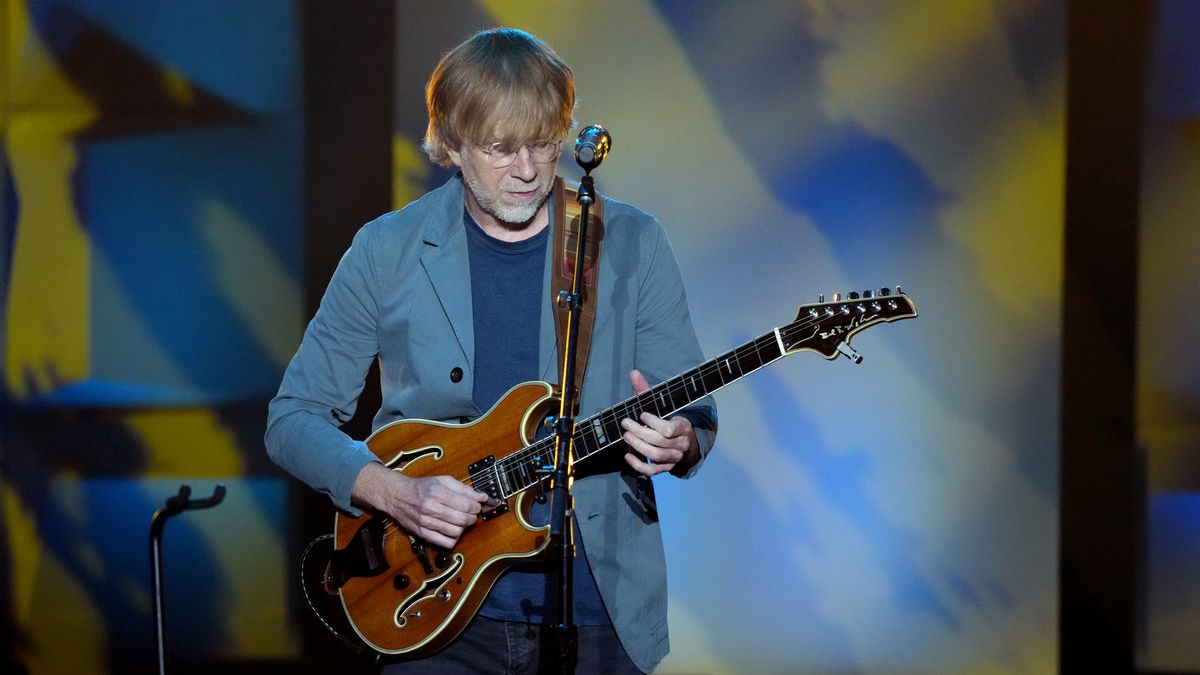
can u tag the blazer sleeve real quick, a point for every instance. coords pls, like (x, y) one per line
(321, 385)
(666, 339)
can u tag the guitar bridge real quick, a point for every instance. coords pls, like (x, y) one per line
(493, 513)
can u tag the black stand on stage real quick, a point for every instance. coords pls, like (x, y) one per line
(590, 149)
(174, 506)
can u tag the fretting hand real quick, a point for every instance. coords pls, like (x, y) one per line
(663, 444)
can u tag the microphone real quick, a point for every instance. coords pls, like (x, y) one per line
(592, 147)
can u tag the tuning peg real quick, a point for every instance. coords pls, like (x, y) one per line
(867, 293)
(899, 291)
(885, 291)
(853, 295)
(820, 297)
(837, 297)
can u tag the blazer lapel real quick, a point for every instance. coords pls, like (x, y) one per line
(547, 340)
(448, 266)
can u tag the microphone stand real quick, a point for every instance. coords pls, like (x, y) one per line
(562, 501)
(174, 506)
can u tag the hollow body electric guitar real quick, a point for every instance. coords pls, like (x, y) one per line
(404, 596)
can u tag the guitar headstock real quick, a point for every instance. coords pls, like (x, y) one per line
(826, 327)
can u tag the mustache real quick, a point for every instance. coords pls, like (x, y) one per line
(523, 187)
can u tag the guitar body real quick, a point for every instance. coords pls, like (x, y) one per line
(406, 597)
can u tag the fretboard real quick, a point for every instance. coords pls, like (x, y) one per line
(523, 469)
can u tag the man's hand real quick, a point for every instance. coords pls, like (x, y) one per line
(436, 509)
(664, 444)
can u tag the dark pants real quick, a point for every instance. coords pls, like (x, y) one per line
(490, 647)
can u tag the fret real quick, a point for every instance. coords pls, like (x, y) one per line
(676, 393)
(749, 359)
(612, 428)
(728, 367)
(633, 407)
(586, 442)
(768, 345)
(594, 437)
(662, 400)
(526, 474)
(711, 374)
(596, 426)
(643, 402)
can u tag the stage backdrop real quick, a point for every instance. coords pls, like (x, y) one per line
(899, 515)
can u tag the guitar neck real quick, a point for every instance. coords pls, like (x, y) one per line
(824, 328)
(598, 432)
(523, 469)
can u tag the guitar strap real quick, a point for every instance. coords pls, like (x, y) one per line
(567, 212)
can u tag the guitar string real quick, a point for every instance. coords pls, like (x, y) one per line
(521, 458)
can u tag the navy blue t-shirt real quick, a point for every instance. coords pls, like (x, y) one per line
(507, 293)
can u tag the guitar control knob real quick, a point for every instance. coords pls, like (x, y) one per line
(442, 561)
(400, 581)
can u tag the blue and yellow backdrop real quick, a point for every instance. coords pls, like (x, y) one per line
(898, 515)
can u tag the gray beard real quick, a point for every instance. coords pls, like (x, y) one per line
(512, 215)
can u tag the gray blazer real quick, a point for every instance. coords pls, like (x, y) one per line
(402, 292)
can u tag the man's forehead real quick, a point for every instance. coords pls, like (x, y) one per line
(510, 132)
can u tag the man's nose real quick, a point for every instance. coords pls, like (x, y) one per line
(523, 166)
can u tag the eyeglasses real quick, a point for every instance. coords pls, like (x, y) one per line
(541, 152)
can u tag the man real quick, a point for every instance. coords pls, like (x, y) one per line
(451, 295)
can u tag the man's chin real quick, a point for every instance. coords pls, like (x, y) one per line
(515, 218)
(520, 214)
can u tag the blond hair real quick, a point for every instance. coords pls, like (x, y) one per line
(501, 85)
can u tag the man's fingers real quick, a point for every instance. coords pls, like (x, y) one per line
(645, 468)
(444, 508)
(654, 430)
(437, 538)
(461, 488)
(638, 381)
(655, 454)
(667, 428)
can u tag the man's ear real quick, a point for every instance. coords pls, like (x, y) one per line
(455, 157)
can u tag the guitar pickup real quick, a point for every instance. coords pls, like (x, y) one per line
(485, 479)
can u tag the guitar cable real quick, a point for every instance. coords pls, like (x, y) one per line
(363, 651)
